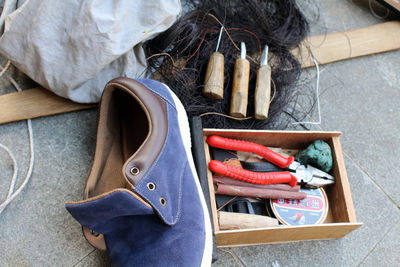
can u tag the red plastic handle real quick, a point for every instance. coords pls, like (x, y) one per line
(252, 177)
(239, 145)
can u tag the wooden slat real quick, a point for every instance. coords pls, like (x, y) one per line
(33, 103)
(337, 46)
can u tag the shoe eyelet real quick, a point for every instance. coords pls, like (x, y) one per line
(134, 171)
(93, 233)
(151, 186)
(163, 201)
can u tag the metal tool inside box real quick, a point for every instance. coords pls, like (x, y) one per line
(340, 219)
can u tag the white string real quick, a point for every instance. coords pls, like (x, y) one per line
(11, 195)
(15, 170)
(317, 93)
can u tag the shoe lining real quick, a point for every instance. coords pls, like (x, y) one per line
(124, 130)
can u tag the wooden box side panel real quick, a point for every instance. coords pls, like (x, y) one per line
(340, 193)
(211, 188)
(283, 234)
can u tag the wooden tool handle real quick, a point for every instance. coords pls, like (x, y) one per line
(240, 88)
(233, 220)
(214, 79)
(263, 92)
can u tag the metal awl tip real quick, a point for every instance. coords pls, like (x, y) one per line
(264, 56)
(219, 38)
(242, 50)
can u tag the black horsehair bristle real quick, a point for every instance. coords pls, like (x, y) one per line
(277, 23)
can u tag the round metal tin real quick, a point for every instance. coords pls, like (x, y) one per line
(311, 210)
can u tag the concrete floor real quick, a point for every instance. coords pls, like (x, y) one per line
(358, 97)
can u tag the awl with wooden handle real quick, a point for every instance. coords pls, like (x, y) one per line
(214, 79)
(262, 95)
(240, 85)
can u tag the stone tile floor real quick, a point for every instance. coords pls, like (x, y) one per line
(358, 97)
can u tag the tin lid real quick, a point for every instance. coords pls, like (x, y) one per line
(311, 210)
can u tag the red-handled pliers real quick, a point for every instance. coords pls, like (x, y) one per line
(297, 173)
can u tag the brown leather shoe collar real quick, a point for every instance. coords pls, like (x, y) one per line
(156, 115)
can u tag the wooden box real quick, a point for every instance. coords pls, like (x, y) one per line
(341, 218)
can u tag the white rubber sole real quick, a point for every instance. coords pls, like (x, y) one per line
(185, 134)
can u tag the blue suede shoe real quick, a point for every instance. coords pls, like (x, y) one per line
(143, 201)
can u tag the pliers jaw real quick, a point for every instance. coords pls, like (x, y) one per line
(309, 176)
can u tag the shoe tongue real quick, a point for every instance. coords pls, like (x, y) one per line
(94, 213)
